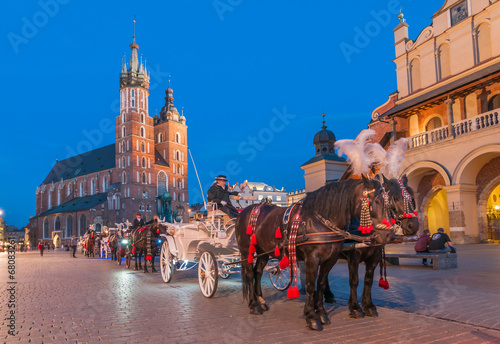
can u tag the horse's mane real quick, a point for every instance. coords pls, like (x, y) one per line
(335, 201)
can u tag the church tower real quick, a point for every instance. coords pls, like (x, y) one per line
(134, 148)
(171, 144)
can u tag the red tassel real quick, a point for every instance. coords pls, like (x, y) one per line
(133, 250)
(249, 229)
(253, 240)
(251, 249)
(383, 283)
(293, 292)
(250, 258)
(278, 233)
(284, 263)
(386, 284)
(410, 216)
(370, 228)
(157, 231)
(393, 221)
(360, 228)
(405, 214)
(415, 213)
(277, 251)
(149, 258)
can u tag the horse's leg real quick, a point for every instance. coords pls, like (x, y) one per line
(135, 257)
(353, 260)
(366, 299)
(324, 270)
(143, 252)
(312, 319)
(258, 270)
(247, 277)
(329, 297)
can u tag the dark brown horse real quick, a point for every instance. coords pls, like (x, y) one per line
(146, 241)
(402, 210)
(113, 245)
(335, 202)
(90, 243)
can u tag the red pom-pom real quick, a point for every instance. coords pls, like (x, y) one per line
(278, 233)
(410, 216)
(250, 258)
(405, 215)
(383, 283)
(133, 250)
(393, 221)
(251, 249)
(157, 231)
(370, 228)
(360, 228)
(149, 258)
(253, 240)
(415, 213)
(249, 229)
(277, 251)
(293, 292)
(284, 262)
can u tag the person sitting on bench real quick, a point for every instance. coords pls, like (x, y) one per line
(440, 242)
(219, 194)
(422, 244)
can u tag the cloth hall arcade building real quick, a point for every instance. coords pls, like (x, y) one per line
(447, 104)
(146, 166)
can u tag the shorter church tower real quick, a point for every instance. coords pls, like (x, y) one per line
(171, 143)
(325, 166)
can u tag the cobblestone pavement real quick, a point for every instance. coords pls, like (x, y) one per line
(65, 300)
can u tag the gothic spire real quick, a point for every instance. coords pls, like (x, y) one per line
(134, 62)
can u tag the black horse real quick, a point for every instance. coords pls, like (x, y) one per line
(113, 245)
(324, 212)
(146, 241)
(401, 210)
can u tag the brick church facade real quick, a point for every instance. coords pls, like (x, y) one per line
(144, 169)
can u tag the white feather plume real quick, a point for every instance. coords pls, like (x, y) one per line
(395, 155)
(376, 153)
(354, 150)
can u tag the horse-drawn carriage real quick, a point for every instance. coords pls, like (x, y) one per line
(211, 244)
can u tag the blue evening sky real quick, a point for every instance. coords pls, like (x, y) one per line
(253, 78)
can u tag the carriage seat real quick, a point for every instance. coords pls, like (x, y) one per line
(213, 210)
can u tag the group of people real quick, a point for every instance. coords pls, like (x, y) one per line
(437, 243)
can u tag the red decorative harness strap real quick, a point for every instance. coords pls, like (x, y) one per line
(292, 249)
(251, 231)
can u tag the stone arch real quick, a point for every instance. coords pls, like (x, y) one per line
(427, 217)
(416, 171)
(482, 207)
(468, 168)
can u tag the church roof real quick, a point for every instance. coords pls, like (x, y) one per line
(324, 156)
(159, 159)
(90, 162)
(77, 204)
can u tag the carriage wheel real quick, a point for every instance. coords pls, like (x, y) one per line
(223, 270)
(281, 279)
(207, 274)
(166, 266)
(128, 258)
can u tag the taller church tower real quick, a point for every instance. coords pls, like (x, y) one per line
(135, 149)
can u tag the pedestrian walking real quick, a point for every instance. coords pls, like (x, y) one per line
(40, 248)
(74, 243)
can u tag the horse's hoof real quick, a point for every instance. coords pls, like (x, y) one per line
(324, 319)
(135, 269)
(145, 271)
(356, 314)
(264, 307)
(330, 299)
(313, 324)
(256, 310)
(153, 270)
(371, 312)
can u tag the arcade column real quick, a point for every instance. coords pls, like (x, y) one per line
(462, 209)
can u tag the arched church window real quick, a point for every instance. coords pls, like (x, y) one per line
(142, 132)
(177, 137)
(143, 162)
(144, 180)
(124, 178)
(124, 131)
(143, 147)
(142, 118)
(162, 184)
(46, 228)
(433, 123)
(69, 226)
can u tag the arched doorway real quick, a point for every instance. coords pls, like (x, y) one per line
(493, 215)
(436, 210)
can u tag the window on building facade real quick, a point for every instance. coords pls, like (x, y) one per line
(278, 198)
(144, 180)
(57, 224)
(142, 118)
(83, 224)
(143, 162)
(46, 230)
(69, 226)
(92, 186)
(104, 184)
(160, 137)
(142, 132)
(143, 147)
(123, 162)
(178, 156)
(459, 12)
(494, 102)
(58, 196)
(133, 102)
(124, 131)
(123, 117)
(433, 123)
(162, 183)
(177, 137)
(261, 197)
(81, 189)
(50, 199)
(124, 177)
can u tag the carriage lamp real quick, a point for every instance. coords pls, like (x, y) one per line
(159, 241)
(125, 241)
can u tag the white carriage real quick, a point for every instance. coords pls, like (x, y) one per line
(211, 244)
